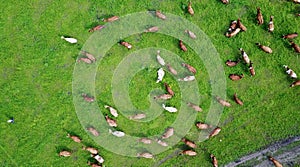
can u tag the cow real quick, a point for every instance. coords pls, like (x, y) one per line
(290, 36)
(160, 75)
(245, 56)
(231, 63)
(168, 88)
(152, 29)
(233, 33)
(65, 153)
(240, 25)
(296, 83)
(264, 48)
(163, 97)
(113, 111)
(90, 149)
(159, 59)
(191, 34)
(182, 46)
(93, 131)
(145, 140)
(295, 46)
(271, 24)
(88, 98)
(290, 72)
(70, 40)
(189, 67)
(111, 122)
(194, 106)
(236, 77)
(190, 9)
(202, 126)
(214, 160)
(187, 78)
(259, 17)
(275, 162)
(137, 116)
(237, 100)
(189, 152)
(98, 158)
(160, 15)
(168, 133)
(96, 28)
(171, 69)
(223, 102)
(251, 69)
(189, 143)
(215, 132)
(111, 19)
(145, 155)
(126, 44)
(170, 109)
(74, 138)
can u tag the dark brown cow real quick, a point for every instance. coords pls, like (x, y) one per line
(296, 83)
(214, 160)
(240, 25)
(295, 46)
(169, 90)
(189, 143)
(251, 69)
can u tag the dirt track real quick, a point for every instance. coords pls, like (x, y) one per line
(286, 151)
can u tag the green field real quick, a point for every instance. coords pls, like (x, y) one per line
(36, 69)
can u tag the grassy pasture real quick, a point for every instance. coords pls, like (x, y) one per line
(36, 69)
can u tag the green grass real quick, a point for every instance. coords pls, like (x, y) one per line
(36, 69)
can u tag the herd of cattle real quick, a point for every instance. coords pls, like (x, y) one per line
(235, 27)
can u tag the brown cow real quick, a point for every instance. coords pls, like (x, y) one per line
(214, 160)
(145, 140)
(232, 26)
(96, 28)
(290, 36)
(189, 152)
(168, 133)
(237, 100)
(236, 77)
(90, 149)
(88, 98)
(137, 116)
(171, 69)
(191, 34)
(65, 153)
(182, 46)
(189, 143)
(202, 126)
(111, 19)
(74, 138)
(190, 9)
(111, 122)
(275, 162)
(231, 63)
(189, 67)
(169, 90)
(223, 102)
(152, 29)
(194, 106)
(93, 131)
(86, 60)
(163, 97)
(296, 83)
(259, 17)
(88, 55)
(215, 132)
(160, 15)
(240, 25)
(264, 48)
(145, 155)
